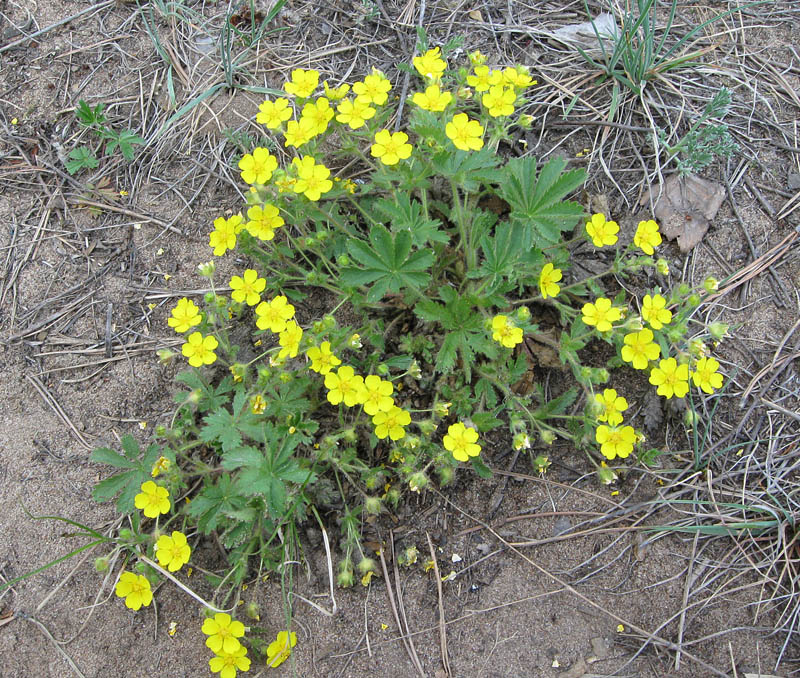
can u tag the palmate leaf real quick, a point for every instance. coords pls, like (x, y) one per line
(406, 214)
(388, 263)
(537, 202)
(126, 484)
(216, 502)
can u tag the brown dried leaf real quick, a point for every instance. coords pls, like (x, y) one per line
(686, 207)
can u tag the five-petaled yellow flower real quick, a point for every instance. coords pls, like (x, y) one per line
(345, 385)
(257, 167)
(153, 500)
(354, 112)
(377, 395)
(226, 663)
(223, 237)
(335, 93)
(248, 287)
(222, 633)
(199, 349)
(647, 236)
(639, 349)
(517, 77)
(263, 221)
(184, 316)
(548, 280)
(173, 551)
(484, 78)
(374, 89)
(499, 100)
(461, 441)
(322, 358)
(299, 132)
(705, 375)
(274, 113)
(303, 83)
(602, 232)
(430, 64)
(273, 315)
(390, 148)
(289, 340)
(391, 424)
(601, 314)
(654, 311)
(611, 406)
(615, 442)
(312, 179)
(135, 589)
(320, 113)
(466, 134)
(504, 332)
(672, 379)
(280, 649)
(432, 99)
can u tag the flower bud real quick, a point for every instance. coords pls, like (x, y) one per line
(414, 370)
(393, 497)
(718, 330)
(209, 297)
(418, 482)
(125, 534)
(693, 300)
(252, 611)
(690, 419)
(523, 314)
(101, 564)
(372, 505)
(606, 475)
(426, 427)
(309, 242)
(521, 441)
(445, 473)
(166, 356)
(662, 266)
(354, 341)
(345, 576)
(441, 409)
(476, 58)
(408, 556)
(349, 435)
(207, 269)
(683, 290)
(697, 347)
(343, 260)
(383, 369)
(541, 464)
(547, 437)
(367, 565)
(318, 327)
(525, 121)
(711, 284)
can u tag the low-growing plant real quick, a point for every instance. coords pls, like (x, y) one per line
(384, 334)
(94, 118)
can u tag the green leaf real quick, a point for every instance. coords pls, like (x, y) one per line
(215, 502)
(387, 263)
(480, 468)
(80, 158)
(222, 426)
(537, 202)
(485, 421)
(104, 455)
(406, 214)
(555, 406)
(128, 483)
(88, 116)
(125, 140)
(468, 170)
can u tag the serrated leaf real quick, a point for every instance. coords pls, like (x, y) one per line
(222, 426)
(480, 468)
(214, 503)
(403, 213)
(104, 455)
(468, 169)
(485, 421)
(80, 158)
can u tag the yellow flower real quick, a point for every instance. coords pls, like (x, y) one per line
(647, 236)
(153, 500)
(375, 88)
(322, 358)
(476, 58)
(377, 395)
(654, 311)
(184, 316)
(223, 237)
(344, 385)
(289, 340)
(336, 93)
(280, 649)
(465, 134)
(354, 113)
(462, 442)
(390, 148)
(391, 424)
(548, 279)
(504, 332)
(161, 466)
(518, 77)
(611, 406)
(319, 113)
(258, 404)
(263, 221)
(312, 179)
(257, 168)
(303, 83)
(615, 442)
(247, 289)
(499, 100)
(705, 375)
(135, 589)
(173, 551)
(601, 314)
(222, 633)
(432, 99)
(602, 232)
(274, 314)
(274, 113)
(199, 349)
(430, 65)
(483, 79)
(672, 379)
(640, 349)
(299, 132)
(226, 663)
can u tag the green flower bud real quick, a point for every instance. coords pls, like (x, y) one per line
(161, 430)
(690, 419)
(309, 242)
(367, 565)
(207, 269)
(446, 474)
(349, 435)
(441, 409)
(693, 300)
(101, 564)
(393, 497)
(414, 370)
(125, 534)
(541, 464)
(345, 576)
(372, 505)
(329, 321)
(318, 327)
(606, 475)
(548, 437)
(521, 441)
(322, 236)
(209, 297)
(718, 330)
(383, 370)
(523, 314)
(662, 266)
(166, 356)
(418, 481)
(426, 427)
(343, 260)
(711, 284)
(252, 611)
